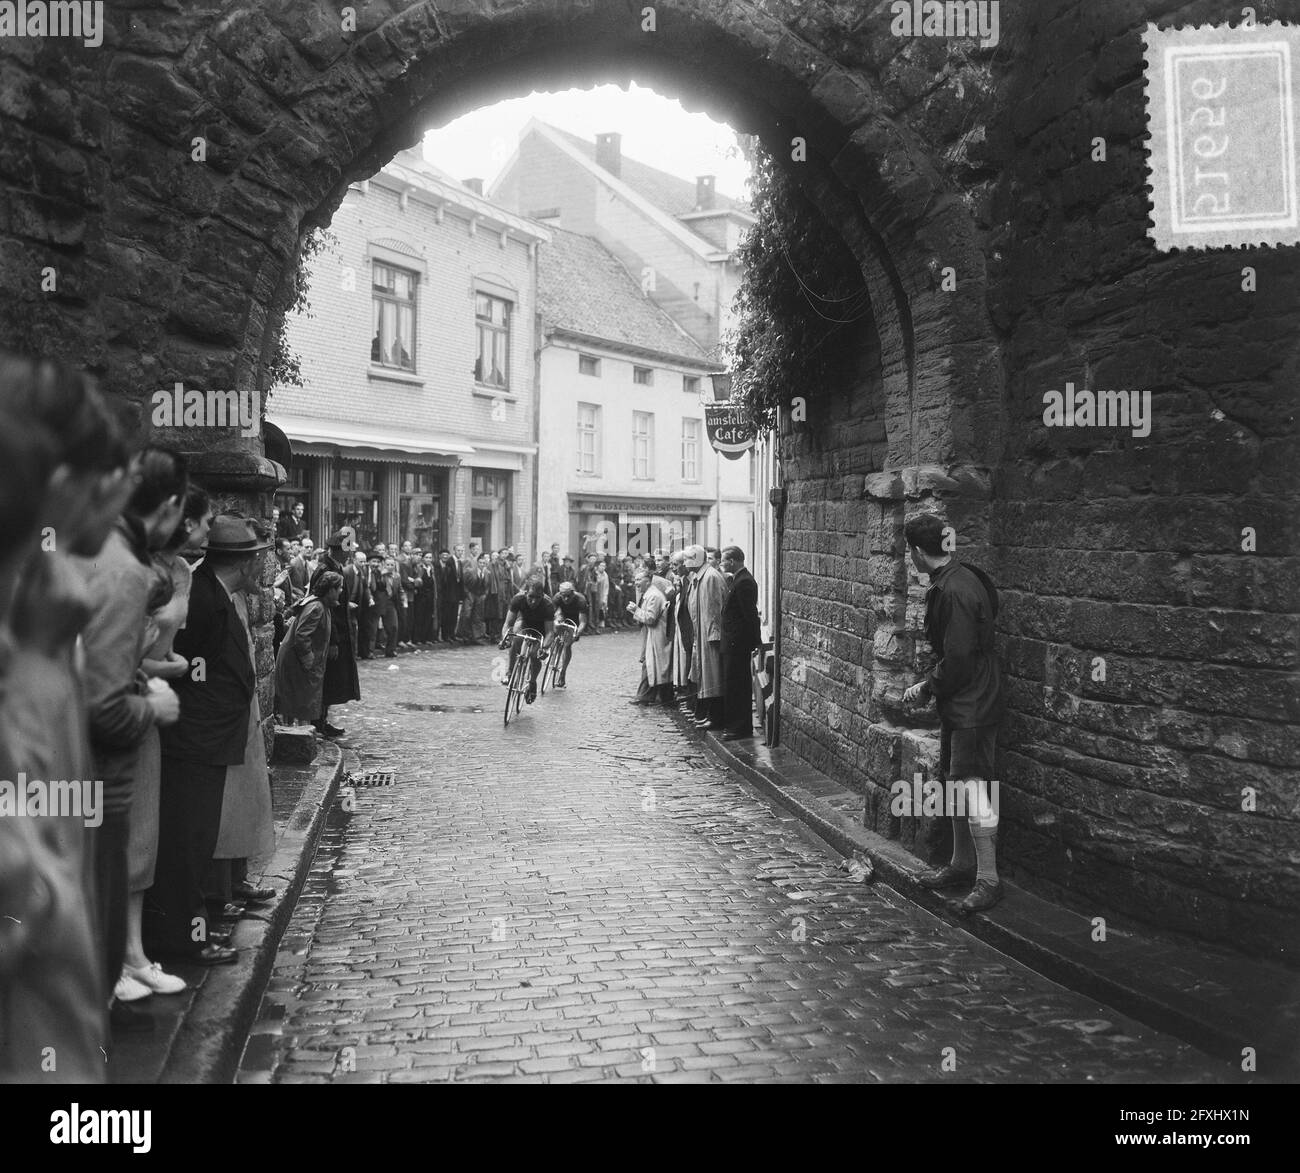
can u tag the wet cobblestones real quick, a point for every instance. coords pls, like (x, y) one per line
(583, 896)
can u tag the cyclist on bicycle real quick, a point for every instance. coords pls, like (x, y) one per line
(571, 606)
(529, 608)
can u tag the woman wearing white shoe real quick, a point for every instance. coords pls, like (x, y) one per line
(140, 976)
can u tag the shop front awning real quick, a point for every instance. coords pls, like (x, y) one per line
(320, 437)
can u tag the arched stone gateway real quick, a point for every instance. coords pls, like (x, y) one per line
(157, 189)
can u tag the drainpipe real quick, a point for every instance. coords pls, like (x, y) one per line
(777, 497)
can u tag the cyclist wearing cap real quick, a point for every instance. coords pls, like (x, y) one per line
(573, 607)
(529, 609)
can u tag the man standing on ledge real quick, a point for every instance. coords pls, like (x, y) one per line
(966, 685)
(741, 634)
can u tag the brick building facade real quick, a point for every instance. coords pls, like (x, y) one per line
(416, 419)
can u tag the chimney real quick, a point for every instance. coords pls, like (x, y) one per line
(704, 193)
(475, 185)
(609, 152)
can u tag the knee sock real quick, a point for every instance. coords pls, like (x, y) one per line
(983, 818)
(963, 851)
(986, 853)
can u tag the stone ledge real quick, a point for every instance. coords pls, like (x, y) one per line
(294, 745)
(235, 471)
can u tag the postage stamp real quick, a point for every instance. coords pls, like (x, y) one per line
(1221, 157)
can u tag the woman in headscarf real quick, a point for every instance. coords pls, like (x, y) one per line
(300, 666)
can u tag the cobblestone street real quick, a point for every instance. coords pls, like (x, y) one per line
(584, 896)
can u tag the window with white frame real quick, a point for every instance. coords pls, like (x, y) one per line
(492, 321)
(690, 449)
(393, 299)
(643, 445)
(644, 376)
(691, 384)
(588, 438)
(588, 365)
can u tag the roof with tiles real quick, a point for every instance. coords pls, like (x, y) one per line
(584, 289)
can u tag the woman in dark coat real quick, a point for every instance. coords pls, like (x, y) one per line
(426, 602)
(342, 684)
(304, 652)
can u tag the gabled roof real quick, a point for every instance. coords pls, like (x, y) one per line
(667, 192)
(583, 290)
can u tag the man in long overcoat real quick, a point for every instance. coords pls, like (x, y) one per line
(656, 653)
(211, 735)
(706, 627)
(741, 634)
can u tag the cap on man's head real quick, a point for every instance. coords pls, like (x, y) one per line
(693, 557)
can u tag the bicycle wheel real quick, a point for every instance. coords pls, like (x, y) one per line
(514, 688)
(546, 677)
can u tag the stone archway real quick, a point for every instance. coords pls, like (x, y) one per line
(156, 191)
(218, 138)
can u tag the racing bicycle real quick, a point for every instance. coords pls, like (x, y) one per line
(529, 643)
(565, 632)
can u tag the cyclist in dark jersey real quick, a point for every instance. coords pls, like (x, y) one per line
(571, 606)
(529, 609)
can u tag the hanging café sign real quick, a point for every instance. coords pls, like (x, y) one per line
(730, 430)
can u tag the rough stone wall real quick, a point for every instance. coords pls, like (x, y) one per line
(1123, 794)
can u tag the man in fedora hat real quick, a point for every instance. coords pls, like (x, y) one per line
(212, 733)
(342, 684)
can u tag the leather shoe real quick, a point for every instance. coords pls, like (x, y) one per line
(246, 891)
(983, 896)
(232, 911)
(219, 936)
(946, 877)
(215, 955)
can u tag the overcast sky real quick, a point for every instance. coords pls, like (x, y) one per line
(655, 130)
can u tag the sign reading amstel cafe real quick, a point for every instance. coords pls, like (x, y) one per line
(730, 430)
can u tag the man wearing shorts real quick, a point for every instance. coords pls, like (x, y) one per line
(529, 609)
(571, 606)
(966, 685)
